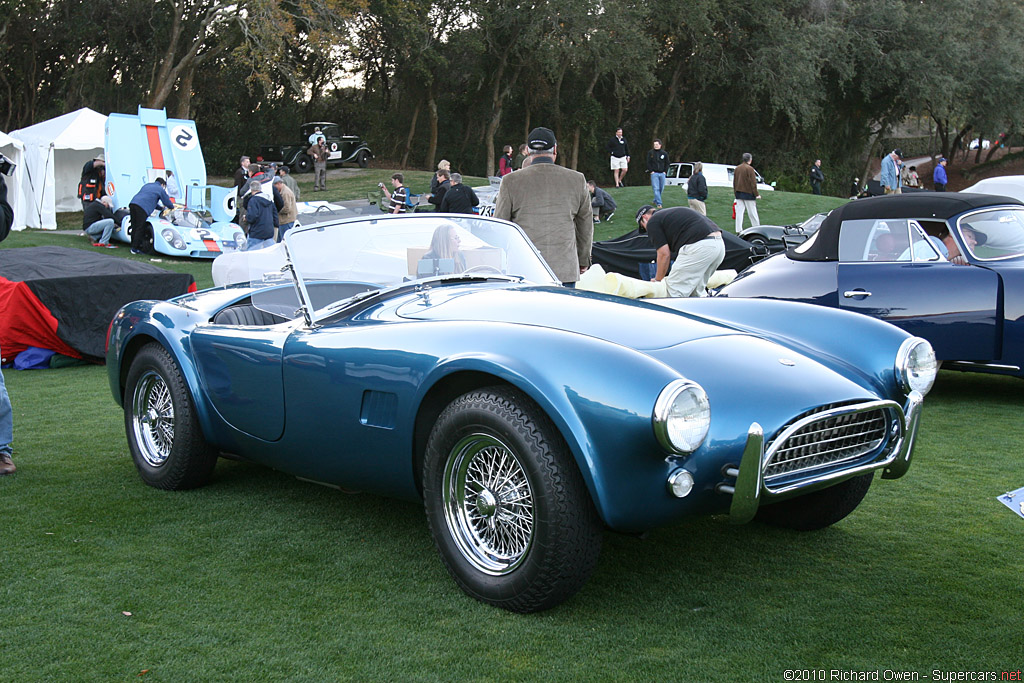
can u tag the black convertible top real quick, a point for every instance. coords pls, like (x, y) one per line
(920, 205)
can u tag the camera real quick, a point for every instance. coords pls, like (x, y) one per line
(6, 165)
(380, 184)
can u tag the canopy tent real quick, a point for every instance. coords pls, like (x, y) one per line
(55, 152)
(14, 149)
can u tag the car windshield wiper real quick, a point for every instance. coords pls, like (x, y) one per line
(362, 296)
(473, 277)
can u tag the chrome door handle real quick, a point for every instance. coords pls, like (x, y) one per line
(856, 292)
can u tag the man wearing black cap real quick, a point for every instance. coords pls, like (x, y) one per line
(939, 177)
(693, 241)
(552, 205)
(890, 177)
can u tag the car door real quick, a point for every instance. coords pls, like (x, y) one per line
(892, 271)
(240, 370)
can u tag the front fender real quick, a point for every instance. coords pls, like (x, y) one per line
(600, 397)
(862, 348)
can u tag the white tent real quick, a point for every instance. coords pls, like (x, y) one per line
(14, 150)
(55, 152)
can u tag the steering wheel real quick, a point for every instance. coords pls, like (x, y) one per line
(483, 268)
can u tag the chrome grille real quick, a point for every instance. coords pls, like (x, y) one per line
(831, 439)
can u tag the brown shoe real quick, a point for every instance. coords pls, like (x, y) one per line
(6, 466)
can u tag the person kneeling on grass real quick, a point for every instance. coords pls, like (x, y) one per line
(98, 221)
(601, 203)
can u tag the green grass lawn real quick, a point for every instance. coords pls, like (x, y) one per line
(259, 576)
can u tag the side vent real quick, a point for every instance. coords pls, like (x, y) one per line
(379, 409)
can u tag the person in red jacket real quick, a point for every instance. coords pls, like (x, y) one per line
(505, 162)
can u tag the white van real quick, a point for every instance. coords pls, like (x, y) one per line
(717, 175)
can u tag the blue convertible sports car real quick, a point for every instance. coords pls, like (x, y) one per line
(948, 267)
(436, 356)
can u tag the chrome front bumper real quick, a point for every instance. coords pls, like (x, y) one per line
(750, 488)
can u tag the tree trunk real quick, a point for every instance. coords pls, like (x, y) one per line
(977, 157)
(873, 152)
(184, 103)
(670, 100)
(574, 162)
(412, 134)
(498, 97)
(432, 112)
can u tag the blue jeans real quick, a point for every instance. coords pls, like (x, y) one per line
(658, 183)
(253, 245)
(283, 228)
(101, 230)
(6, 419)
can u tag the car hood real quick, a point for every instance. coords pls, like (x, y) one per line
(629, 323)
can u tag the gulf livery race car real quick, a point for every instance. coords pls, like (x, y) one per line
(140, 149)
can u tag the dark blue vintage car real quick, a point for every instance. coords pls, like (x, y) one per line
(436, 357)
(948, 267)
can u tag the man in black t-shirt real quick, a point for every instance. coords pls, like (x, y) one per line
(693, 240)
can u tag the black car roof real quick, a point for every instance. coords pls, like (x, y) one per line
(920, 205)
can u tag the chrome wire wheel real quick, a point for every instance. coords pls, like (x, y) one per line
(488, 504)
(153, 418)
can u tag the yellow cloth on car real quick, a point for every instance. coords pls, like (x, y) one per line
(597, 280)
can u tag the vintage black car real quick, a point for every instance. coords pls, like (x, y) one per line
(342, 148)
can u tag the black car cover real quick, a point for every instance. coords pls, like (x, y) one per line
(624, 254)
(63, 299)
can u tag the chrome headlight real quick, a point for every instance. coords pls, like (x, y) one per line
(682, 416)
(916, 366)
(173, 238)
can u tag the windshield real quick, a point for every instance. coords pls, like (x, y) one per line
(335, 262)
(993, 235)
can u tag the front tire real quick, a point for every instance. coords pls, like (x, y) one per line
(819, 509)
(507, 507)
(363, 159)
(164, 436)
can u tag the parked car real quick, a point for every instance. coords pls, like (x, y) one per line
(436, 357)
(342, 148)
(880, 257)
(779, 237)
(1005, 186)
(716, 175)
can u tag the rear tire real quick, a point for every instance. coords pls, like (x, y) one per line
(819, 509)
(507, 506)
(303, 164)
(164, 436)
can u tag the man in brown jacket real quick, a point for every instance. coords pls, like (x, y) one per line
(744, 184)
(552, 205)
(318, 153)
(288, 211)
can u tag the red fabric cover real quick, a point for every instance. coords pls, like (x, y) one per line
(27, 322)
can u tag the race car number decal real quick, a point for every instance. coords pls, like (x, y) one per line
(184, 137)
(201, 234)
(229, 204)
